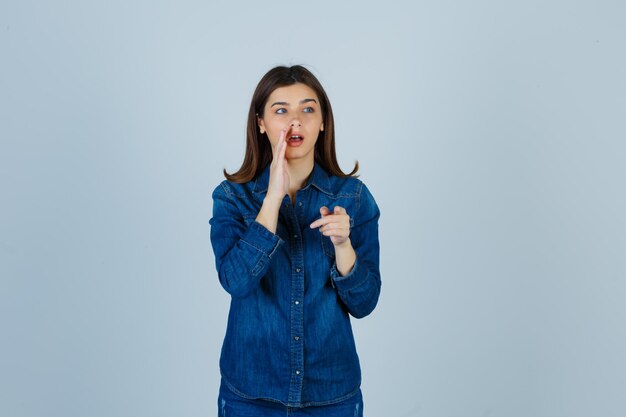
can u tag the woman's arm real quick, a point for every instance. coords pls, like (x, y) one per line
(277, 188)
(356, 270)
(242, 252)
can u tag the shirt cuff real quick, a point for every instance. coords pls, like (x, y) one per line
(353, 279)
(261, 239)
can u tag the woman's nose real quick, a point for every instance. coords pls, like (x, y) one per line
(296, 123)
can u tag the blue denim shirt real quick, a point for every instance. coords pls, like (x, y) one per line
(289, 337)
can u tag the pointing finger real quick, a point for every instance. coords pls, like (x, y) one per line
(321, 222)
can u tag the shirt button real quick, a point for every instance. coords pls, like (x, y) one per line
(297, 337)
(296, 302)
(295, 236)
(297, 269)
(297, 372)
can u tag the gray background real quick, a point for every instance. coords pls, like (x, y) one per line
(490, 132)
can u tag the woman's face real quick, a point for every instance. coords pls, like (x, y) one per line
(295, 108)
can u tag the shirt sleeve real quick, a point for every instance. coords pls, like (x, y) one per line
(242, 252)
(359, 290)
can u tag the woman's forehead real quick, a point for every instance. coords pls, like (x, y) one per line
(293, 94)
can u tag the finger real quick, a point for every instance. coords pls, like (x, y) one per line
(321, 222)
(333, 220)
(339, 210)
(318, 223)
(335, 226)
(324, 212)
(276, 149)
(284, 134)
(283, 142)
(336, 232)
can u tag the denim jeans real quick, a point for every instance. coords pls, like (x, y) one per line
(231, 405)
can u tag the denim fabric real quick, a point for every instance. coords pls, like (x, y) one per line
(289, 337)
(232, 405)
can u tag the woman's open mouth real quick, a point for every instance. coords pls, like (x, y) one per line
(295, 140)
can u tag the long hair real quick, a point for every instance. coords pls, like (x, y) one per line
(258, 148)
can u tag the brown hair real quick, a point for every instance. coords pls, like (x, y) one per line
(258, 148)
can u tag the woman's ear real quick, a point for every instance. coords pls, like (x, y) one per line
(322, 127)
(260, 123)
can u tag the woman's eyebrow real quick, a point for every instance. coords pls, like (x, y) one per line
(284, 103)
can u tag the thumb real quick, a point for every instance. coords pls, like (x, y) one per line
(324, 211)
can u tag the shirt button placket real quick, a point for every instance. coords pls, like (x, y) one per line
(297, 316)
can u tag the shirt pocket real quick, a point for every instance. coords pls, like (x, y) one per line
(327, 246)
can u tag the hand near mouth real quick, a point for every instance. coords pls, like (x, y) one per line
(279, 176)
(278, 186)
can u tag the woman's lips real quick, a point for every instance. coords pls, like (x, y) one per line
(295, 139)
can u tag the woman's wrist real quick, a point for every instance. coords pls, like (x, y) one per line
(268, 215)
(273, 199)
(345, 257)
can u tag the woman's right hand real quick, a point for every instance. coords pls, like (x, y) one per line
(279, 176)
(278, 186)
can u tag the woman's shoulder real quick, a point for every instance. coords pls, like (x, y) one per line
(345, 186)
(349, 186)
(233, 189)
(354, 189)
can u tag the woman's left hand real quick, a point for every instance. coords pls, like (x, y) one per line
(335, 225)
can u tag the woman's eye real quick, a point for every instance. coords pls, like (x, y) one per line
(309, 110)
(281, 111)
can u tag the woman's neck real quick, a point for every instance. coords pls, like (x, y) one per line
(299, 172)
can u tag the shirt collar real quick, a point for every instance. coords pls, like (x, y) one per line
(319, 179)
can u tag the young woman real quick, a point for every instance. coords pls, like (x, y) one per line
(296, 246)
